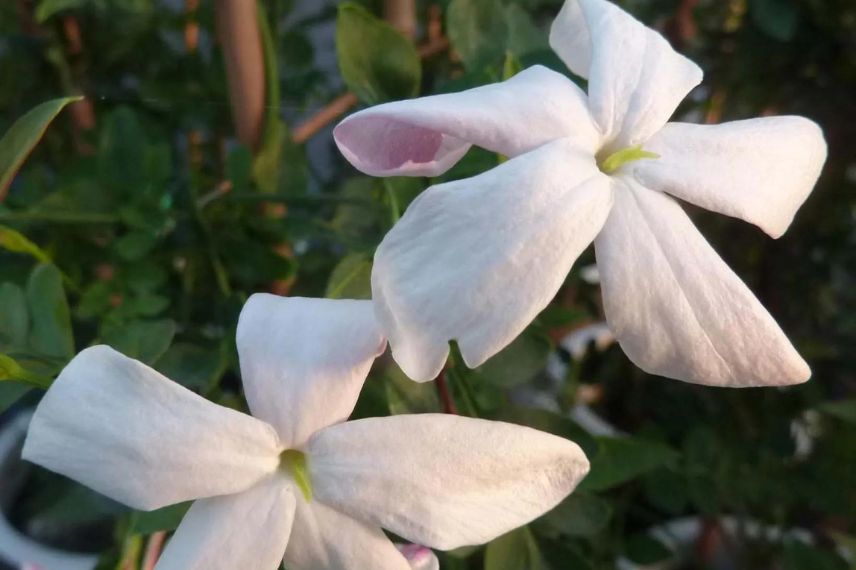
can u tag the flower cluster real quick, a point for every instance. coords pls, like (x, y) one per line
(473, 261)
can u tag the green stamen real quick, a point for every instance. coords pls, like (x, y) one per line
(619, 158)
(294, 462)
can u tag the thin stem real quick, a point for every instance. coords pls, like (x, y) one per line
(153, 550)
(445, 394)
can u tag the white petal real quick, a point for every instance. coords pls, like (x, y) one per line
(326, 539)
(121, 428)
(419, 557)
(675, 306)
(636, 79)
(441, 480)
(759, 170)
(426, 136)
(304, 361)
(476, 260)
(246, 530)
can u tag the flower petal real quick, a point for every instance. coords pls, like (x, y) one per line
(419, 557)
(121, 428)
(426, 136)
(476, 260)
(304, 361)
(441, 480)
(759, 170)
(325, 538)
(636, 79)
(246, 530)
(675, 306)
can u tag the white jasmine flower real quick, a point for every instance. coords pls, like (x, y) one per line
(476, 260)
(293, 481)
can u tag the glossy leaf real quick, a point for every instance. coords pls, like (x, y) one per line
(50, 332)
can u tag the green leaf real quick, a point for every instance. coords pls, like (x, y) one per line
(120, 150)
(844, 410)
(799, 556)
(193, 365)
(519, 362)
(164, 519)
(15, 241)
(621, 459)
(478, 31)
(516, 550)
(578, 515)
(351, 278)
(12, 371)
(776, 18)
(48, 8)
(23, 135)
(646, 550)
(144, 340)
(14, 319)
(377, 62)
(10, 393)
(524, 36)
(404, 396)
(50, 332)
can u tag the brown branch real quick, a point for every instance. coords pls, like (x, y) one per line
(402, 15)
(445, 394)
(240, 39)
(153, 550)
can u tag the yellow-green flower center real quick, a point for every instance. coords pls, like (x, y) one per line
(295, 464)
(621, 157)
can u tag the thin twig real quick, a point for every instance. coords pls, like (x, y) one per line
(153, 550)
(445, 394)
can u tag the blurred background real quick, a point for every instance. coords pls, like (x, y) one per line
(200, 168)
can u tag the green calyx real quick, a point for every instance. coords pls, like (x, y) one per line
(621, 157)
(294, 463)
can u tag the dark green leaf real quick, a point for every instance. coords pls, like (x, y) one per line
(519, 362)
(165, 519)
(646, 550)
(351, 278)
(377, 62)
(144, 340)
(516, 550)
(619, 460)
(478, 31)
(23, 135)
(777, 18)
(14, 319)
(50, 331)
(580, 514)
(844, 410)
(195, 366)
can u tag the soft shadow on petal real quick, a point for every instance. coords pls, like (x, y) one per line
(476, 260)
(326, 539)
(427, 136)
(304, 361)
(636, 79)
(441, 480)
(246, 530)
(675, 306)
(758, 170)
(124, 430)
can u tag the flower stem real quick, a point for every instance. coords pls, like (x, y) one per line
(445, 394)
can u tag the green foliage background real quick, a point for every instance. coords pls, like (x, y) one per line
(148, 232)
